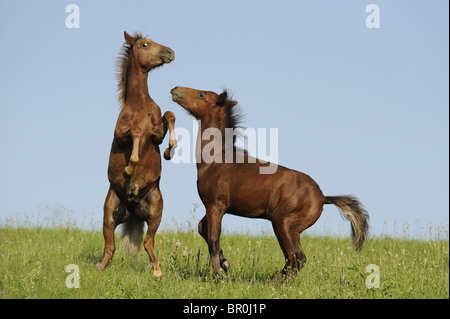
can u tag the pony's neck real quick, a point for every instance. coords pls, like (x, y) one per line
(136, 83)
(210, 140)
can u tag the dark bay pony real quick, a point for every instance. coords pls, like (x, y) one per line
(134, 168)
(291, 200)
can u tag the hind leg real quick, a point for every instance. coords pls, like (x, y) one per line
(289, 226)
(151, 208)
(112, 203)
(203, 231)
(288, 236)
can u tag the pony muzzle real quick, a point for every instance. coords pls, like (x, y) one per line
(167, 55)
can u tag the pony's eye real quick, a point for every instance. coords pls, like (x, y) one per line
(145, 44)
(201, 94)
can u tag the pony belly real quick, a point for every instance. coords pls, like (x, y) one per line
(249, 213)
(147, 172)
(252, 203)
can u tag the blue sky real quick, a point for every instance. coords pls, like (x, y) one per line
(363, 111)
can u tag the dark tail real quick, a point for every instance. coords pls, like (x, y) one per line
(352, 210)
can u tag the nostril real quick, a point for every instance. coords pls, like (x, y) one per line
(172, 54)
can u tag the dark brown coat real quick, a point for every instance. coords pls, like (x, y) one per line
(291, 200)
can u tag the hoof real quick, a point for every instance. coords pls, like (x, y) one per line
(100, 268)
(287, 275)
(167, 154)
(225, 265)
(157, 275)
(126, 172)
(217, 278)
(279, 279)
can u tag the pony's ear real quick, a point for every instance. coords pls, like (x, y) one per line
(222, 99)
(128, 38)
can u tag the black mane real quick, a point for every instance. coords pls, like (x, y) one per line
(234, 116)
(233, 112)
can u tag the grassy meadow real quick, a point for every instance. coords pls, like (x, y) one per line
(33, 261)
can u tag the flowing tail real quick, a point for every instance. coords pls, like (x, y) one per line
(132, 232)
(352, 210)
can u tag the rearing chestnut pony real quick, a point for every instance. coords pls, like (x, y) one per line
(134, 169)
(291, 200)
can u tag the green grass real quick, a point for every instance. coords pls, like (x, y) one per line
(32, 262)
